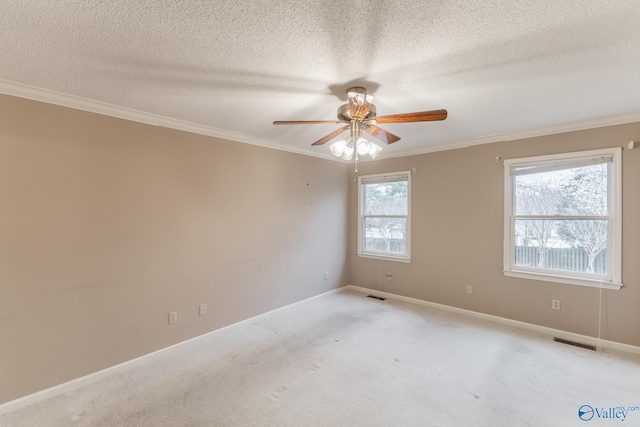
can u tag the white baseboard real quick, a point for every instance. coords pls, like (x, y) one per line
(599, 343)
(75, 384)
(70, 386)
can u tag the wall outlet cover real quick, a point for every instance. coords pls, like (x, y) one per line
(173, 317)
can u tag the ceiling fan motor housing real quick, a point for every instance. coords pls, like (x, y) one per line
(344, 113)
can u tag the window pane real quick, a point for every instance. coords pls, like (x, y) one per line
(385, 198)
(385, 235)
(575, 191)
(570, 245)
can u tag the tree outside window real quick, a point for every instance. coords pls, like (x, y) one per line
(384, 212)
(562, 216)
(556, 208)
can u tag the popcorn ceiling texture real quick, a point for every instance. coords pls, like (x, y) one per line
(497, 66)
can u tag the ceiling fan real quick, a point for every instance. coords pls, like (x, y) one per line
(359, 115)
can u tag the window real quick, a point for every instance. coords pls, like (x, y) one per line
(563, 218)
(384, 216)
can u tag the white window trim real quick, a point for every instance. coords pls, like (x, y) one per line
(382, 255)
(613, 280)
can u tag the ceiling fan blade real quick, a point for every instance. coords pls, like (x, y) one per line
(331, 135)
(306, 122)
(382, 135)
(422, 116)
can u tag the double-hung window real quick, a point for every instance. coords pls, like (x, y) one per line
(563, 218)
(384, 225)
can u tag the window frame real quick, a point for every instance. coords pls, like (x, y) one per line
(381, 178)
(612, 279)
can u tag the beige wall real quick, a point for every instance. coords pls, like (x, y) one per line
(108, 225)
(457, 234)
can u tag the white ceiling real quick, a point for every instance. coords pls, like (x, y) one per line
(503, 69)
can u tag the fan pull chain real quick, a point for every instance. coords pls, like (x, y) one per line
(356, 163)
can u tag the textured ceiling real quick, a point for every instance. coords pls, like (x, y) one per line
(501, 68)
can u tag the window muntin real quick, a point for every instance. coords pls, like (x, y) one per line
(562, 218)
(383, 220)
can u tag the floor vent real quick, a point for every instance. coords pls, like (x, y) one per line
(375, 297)
(577, 344)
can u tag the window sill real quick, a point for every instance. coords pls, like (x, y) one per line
(384, 257)
(563, 279)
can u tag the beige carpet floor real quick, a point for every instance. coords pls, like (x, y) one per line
(348, 360)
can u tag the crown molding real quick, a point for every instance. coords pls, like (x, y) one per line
(84, 104)
(79, 103)
(530, 133)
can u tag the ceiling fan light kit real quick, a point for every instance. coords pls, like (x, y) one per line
(344, 148)
(358, 116)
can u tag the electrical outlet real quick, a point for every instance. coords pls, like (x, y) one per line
(173, 317)
(203, 309)
(326, 275)
(469, 289)
(555, 304)
(389, 276)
